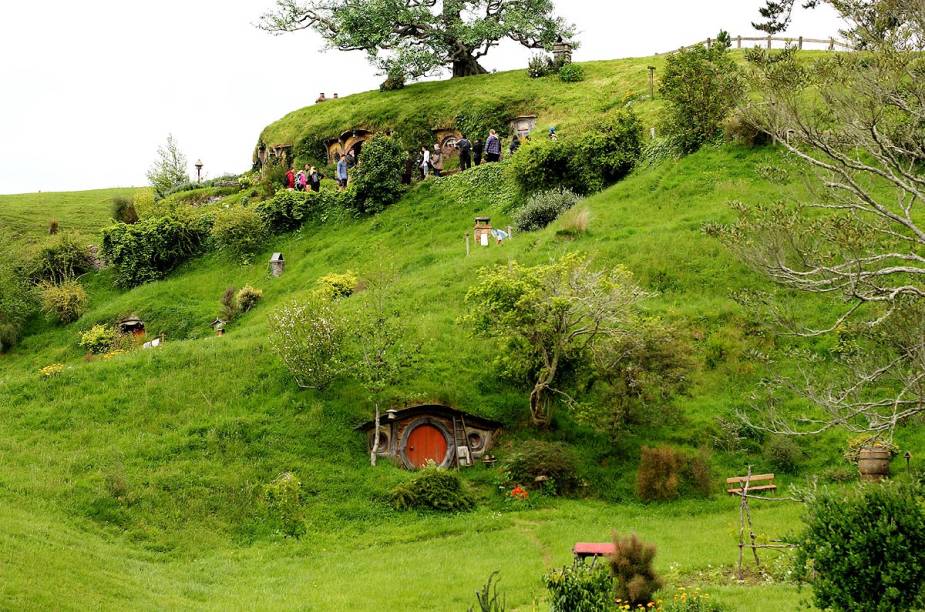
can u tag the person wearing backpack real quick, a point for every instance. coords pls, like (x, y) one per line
(436, 160)
(314, 179)
(493, 147)
(465, 153)
(477, 149)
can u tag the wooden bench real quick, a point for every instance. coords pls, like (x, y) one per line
(583, 550)
(756, 483)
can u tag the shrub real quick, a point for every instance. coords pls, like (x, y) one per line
(123, 210)
(229, 302)
(99, 339)
(432, 488)
(51, 370)
(575, 223)
(377, 180)
(571, 73)
(283, 499)
(53, 227)
(783, 454)
(865, 551)
(694, 601)
(239, 231)
(631, 565)
(63, 258)
(151, 248)
(665, 473)
(336, 286)
(394, 79)
(540, 464)
(488, 598)
(272, 178)
(65, 301)
(543, 208)
(248, 297)
(737, 128)
(540, 66)
(700, 87)
(580, 588)
(283, 212)
(17, 303)
(308, 335)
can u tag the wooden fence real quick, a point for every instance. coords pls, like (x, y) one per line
(831, 44)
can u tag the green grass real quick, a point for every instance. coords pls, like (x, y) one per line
(193, 430)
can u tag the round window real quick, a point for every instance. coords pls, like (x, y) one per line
(476, 441)
(383, 442)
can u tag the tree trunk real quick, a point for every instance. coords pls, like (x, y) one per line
(467, 66)
(374, 453)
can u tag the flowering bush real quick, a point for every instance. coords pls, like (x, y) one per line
(520, 493)
(248, 297)
(98, 339)
(52, 370)
(65, 301)
(308, 335)
(335, 286)
(693, 601)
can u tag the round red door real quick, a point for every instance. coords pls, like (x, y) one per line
(426, 443)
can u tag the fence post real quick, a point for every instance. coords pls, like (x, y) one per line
(831, 44)
(709, 43)
(651, 82)
(801, 43)
(769, 41)
(739, 42)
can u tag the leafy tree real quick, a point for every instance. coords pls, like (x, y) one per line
(868, 20)
(170, 169)
(865, 552)
(701, 86)
(856, 120)
(549, 316)
(416, 37)
(377, 180)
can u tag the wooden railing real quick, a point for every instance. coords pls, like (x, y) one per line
(831, 44)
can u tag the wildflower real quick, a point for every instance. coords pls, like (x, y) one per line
(520, 493)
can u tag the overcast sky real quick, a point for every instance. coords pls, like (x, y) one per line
(89, 89)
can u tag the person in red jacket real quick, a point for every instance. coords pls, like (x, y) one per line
(290, 179)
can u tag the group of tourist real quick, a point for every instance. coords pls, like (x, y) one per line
(308, 179)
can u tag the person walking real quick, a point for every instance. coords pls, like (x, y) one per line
(477, 148)
(425, 162)
(314, 179)
(493, 147)
(342, 172)
(301, 180)
(290, 179)
(465, 153)
(436, 160)
(515, 144)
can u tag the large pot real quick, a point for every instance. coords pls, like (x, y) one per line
(874, 463)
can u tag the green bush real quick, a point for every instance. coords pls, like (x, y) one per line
(336, 286)
(65, 301)
(631, 566)
(284, 211)
(737, 128)
(571, 73)
(272, 178)
(543, 208)
(99, 339)
(308, 335)
(248, 297)
(123, 210)
(865, 551)
(700, 87)
(665, 473)
(17, 302)
(151, 248)
(541, 66)
(283, 500)
(783, 454)
(377, 180)
(239, 231)
(584, 163)
(63, 257)
(537, 464)
(432, 488)
(580, 588)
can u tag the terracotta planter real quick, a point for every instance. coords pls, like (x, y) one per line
(874, 463)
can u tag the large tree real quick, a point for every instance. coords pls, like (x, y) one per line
(412, 38)
(858, 120)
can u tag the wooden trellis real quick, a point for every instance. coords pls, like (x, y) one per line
(745, 522)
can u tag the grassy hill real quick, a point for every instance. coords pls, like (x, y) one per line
(132, 482)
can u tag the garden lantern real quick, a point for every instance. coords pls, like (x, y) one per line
(198, 170)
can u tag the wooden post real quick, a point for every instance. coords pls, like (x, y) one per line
(801, 43)
(709, 43)
(652, 133)
(510, 232)
(467, 244)
(651, 82)
(739, 42)
(831, 44)
(769, 41)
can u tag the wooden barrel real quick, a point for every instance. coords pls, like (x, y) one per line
(874, 463)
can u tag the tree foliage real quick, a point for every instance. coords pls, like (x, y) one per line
(865, 552)
(414, 38)
(169, 170)
(549, 316)
(701, 86)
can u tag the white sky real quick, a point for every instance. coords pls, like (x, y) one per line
(89, 89)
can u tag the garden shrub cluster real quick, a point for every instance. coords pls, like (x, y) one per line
(63, 257)
(585, 163)
(99, 339)
(151, 248)
(309, 336)
(543, 208)
(783, 454)
(865, 551)
(65, 301)
(537, 464)
(377, 180)
(580, 587)
(248, 297)
(571, 73)
(17, 302)
(239, 231)
(631, 566)
(335, 286)
(123, 210)
(433, 488)
(288, 210)
(666, 473)
(485, 185)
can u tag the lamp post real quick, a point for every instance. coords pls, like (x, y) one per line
(198, 170)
